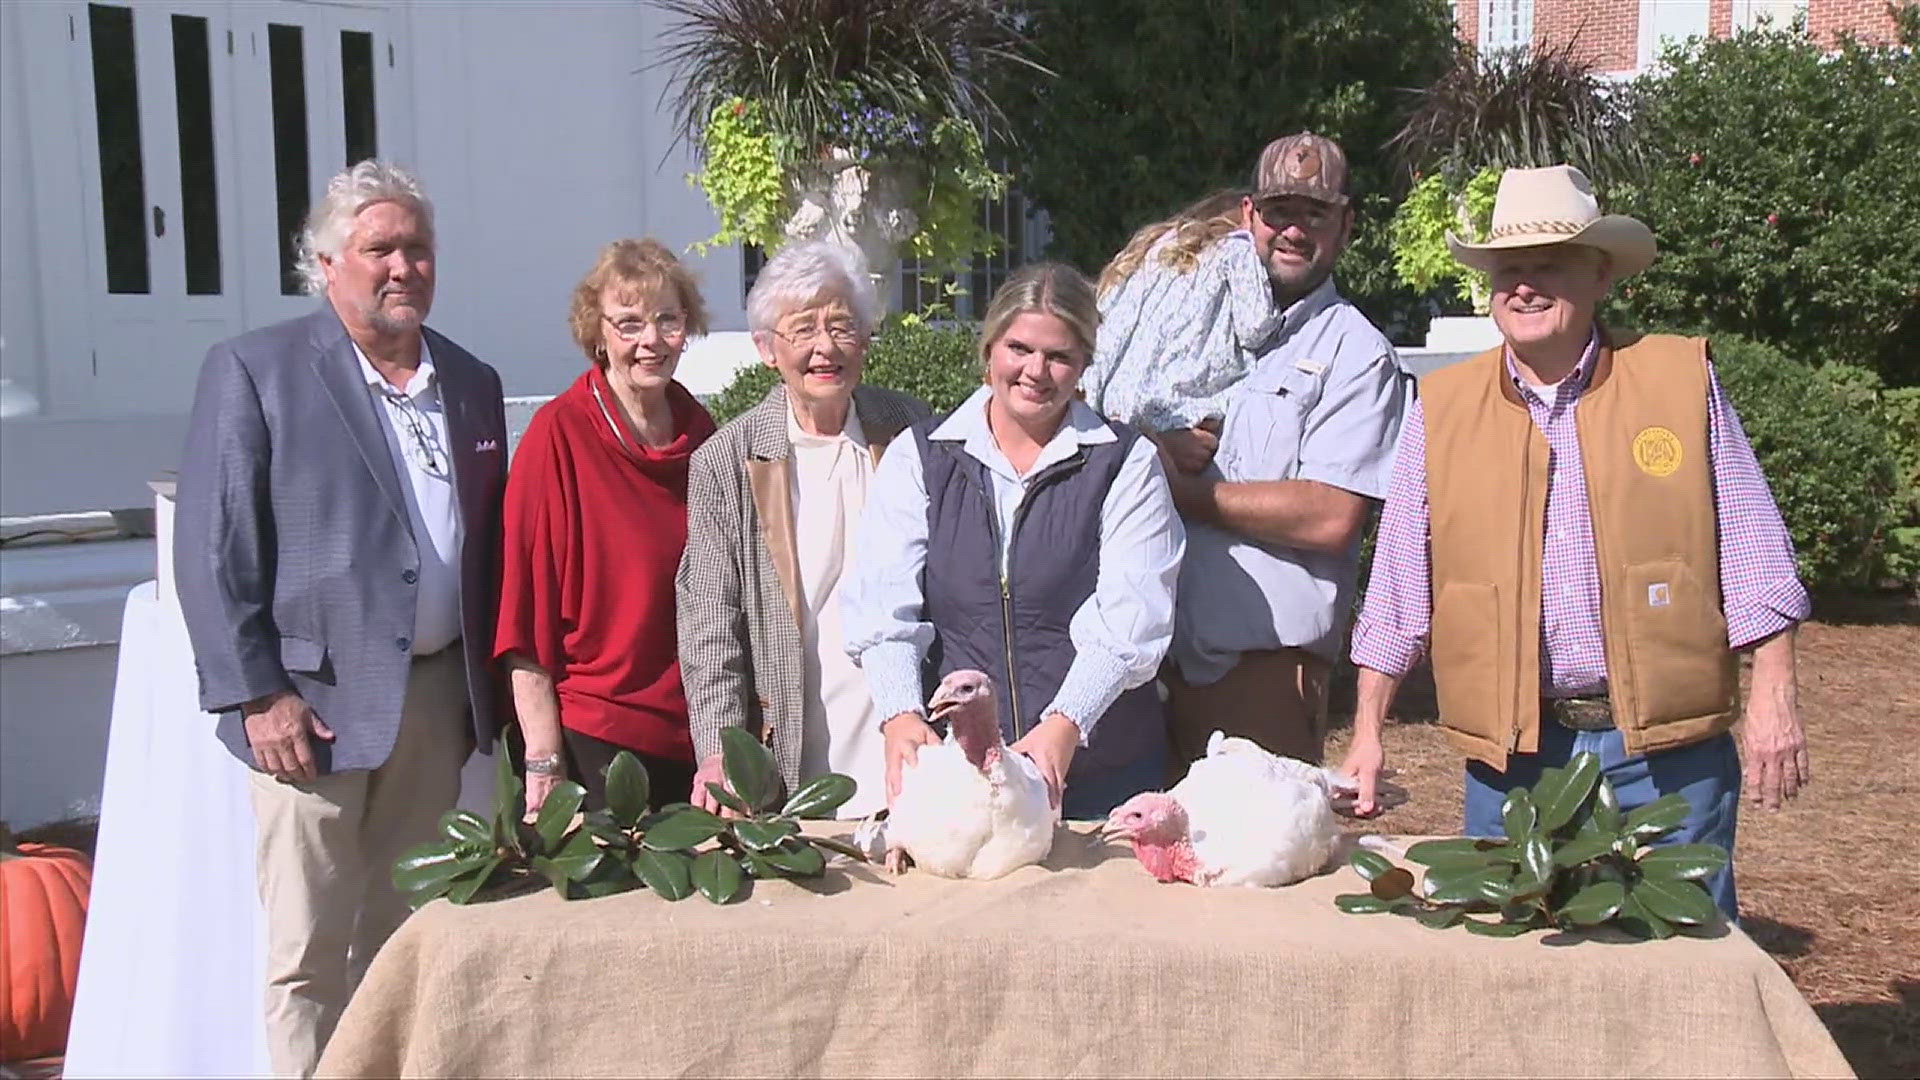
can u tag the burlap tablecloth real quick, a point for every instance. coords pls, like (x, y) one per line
(1084, 968)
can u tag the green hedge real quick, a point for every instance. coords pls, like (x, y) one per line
(937, 364)
(1829, 462)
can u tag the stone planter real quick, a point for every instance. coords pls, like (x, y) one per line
(1462, 334)
(861, 204)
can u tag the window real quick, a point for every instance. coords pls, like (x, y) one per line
(286, 59)
(1668, 22)
(1022, 234)
(199, 186)
(1780, 14)
(123, 179)
(356, 94)
(1505, 24)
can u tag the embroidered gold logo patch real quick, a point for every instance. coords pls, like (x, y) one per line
(1657, 451)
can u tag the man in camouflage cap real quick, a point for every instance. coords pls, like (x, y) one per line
(1304, 452)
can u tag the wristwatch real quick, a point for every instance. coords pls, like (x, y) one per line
(551, 765)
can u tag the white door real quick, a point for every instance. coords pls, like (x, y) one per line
(158, 179)
(316, 92)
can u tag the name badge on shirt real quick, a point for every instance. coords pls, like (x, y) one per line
(1311, 367)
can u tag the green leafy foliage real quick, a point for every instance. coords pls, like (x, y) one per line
(1160, 103)
(1829, 463)
(939, 364)
(1781, 186)
(742, 176)
(1420, 226)
(625, 846)
(1568, 860)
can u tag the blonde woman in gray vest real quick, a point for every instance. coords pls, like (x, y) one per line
(1026, 537)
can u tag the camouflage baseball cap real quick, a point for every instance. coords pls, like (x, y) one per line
(1307, 165)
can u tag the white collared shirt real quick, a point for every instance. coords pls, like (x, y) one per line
(1119, 634)
(415, 424)
(840, 734)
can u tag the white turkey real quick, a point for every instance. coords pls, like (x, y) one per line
(967, 807)
(1242, 816)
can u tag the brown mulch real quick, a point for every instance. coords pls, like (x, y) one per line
(1830, 886)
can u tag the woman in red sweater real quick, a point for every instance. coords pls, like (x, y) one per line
(595, 519)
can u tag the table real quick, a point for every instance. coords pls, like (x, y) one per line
(1085, 967)
(171, 968)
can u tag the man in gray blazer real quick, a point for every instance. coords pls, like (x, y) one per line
(337, 558)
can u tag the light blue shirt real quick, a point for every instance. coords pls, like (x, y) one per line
(1120, 633)
(1324, 402)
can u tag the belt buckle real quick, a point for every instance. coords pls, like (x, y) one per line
(1582, 713)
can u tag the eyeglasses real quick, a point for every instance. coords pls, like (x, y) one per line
(670, 324)
(840, 333)
(1308, 215)
(425, 448)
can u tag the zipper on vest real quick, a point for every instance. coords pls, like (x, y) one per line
(1006, 637)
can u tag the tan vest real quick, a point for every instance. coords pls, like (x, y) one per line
(1642, 425)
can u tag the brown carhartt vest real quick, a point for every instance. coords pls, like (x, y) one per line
(1642, 425)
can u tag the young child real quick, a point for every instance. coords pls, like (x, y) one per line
(1195, 271)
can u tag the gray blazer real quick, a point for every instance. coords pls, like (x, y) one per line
(292, 549)
(738, 589)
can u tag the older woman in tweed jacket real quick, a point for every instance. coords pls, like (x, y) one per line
(773, 500)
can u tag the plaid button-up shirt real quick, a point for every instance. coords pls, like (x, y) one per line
(1761, 593)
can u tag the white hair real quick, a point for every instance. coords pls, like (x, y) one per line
(330, 220)
(811, 270)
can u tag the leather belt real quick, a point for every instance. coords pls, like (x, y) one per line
(1580, 713)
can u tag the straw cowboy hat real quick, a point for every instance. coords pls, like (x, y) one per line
(1555, 205)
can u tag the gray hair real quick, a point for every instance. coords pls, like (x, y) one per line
(811, 270)
(330, 220)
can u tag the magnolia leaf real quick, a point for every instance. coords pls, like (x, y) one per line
(763, 835)
(1683, 902)
(612, 876)
(1393, 884)
(1439, 918)
(1636, 919)
(1537, 858)
(1469, 886)
(728, 799)
(627, 789)
(821, 796)
(1583, 848)
(563, 801)
(1664, 814)
(669, 873)
(463, 890)
(1427, 852)
(1563, 801)
(800, 860)
(1497, 929)
(466, 827)
(1369, 864)
(748, 765)
(718, 876)
(838, 847)
(1517, 815)
(1606, 808)
(1690, 862)
(757, 865)
(578, 856)
(682, 829)
(507, 789)
(1594, 904)
(425, 870)
(1360, 904)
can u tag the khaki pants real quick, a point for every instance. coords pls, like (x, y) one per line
(1276, 697)
(324, 854)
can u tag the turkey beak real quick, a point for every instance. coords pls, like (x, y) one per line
(943, 703)
(1113, 829)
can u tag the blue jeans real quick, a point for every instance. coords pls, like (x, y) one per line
(1706, 774)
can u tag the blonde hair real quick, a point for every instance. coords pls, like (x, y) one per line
(1049, 288)
(634, 268)
(1192, 229)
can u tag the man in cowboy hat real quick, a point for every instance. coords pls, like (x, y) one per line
(1585, 586)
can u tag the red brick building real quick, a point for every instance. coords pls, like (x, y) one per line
(1626, 35)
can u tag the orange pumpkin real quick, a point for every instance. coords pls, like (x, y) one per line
(43, 910)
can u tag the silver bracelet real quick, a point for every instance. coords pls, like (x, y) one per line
(551, 765)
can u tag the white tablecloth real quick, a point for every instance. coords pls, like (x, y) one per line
(171, 971)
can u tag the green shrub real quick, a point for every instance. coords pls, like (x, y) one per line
(1781, 185)
(1830, 463)
(940, 365)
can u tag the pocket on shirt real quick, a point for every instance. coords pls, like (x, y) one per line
(1467, 665)
(1264, 427)
(1676, 643)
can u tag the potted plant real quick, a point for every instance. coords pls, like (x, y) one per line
(860, 121)
(1516, 109)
